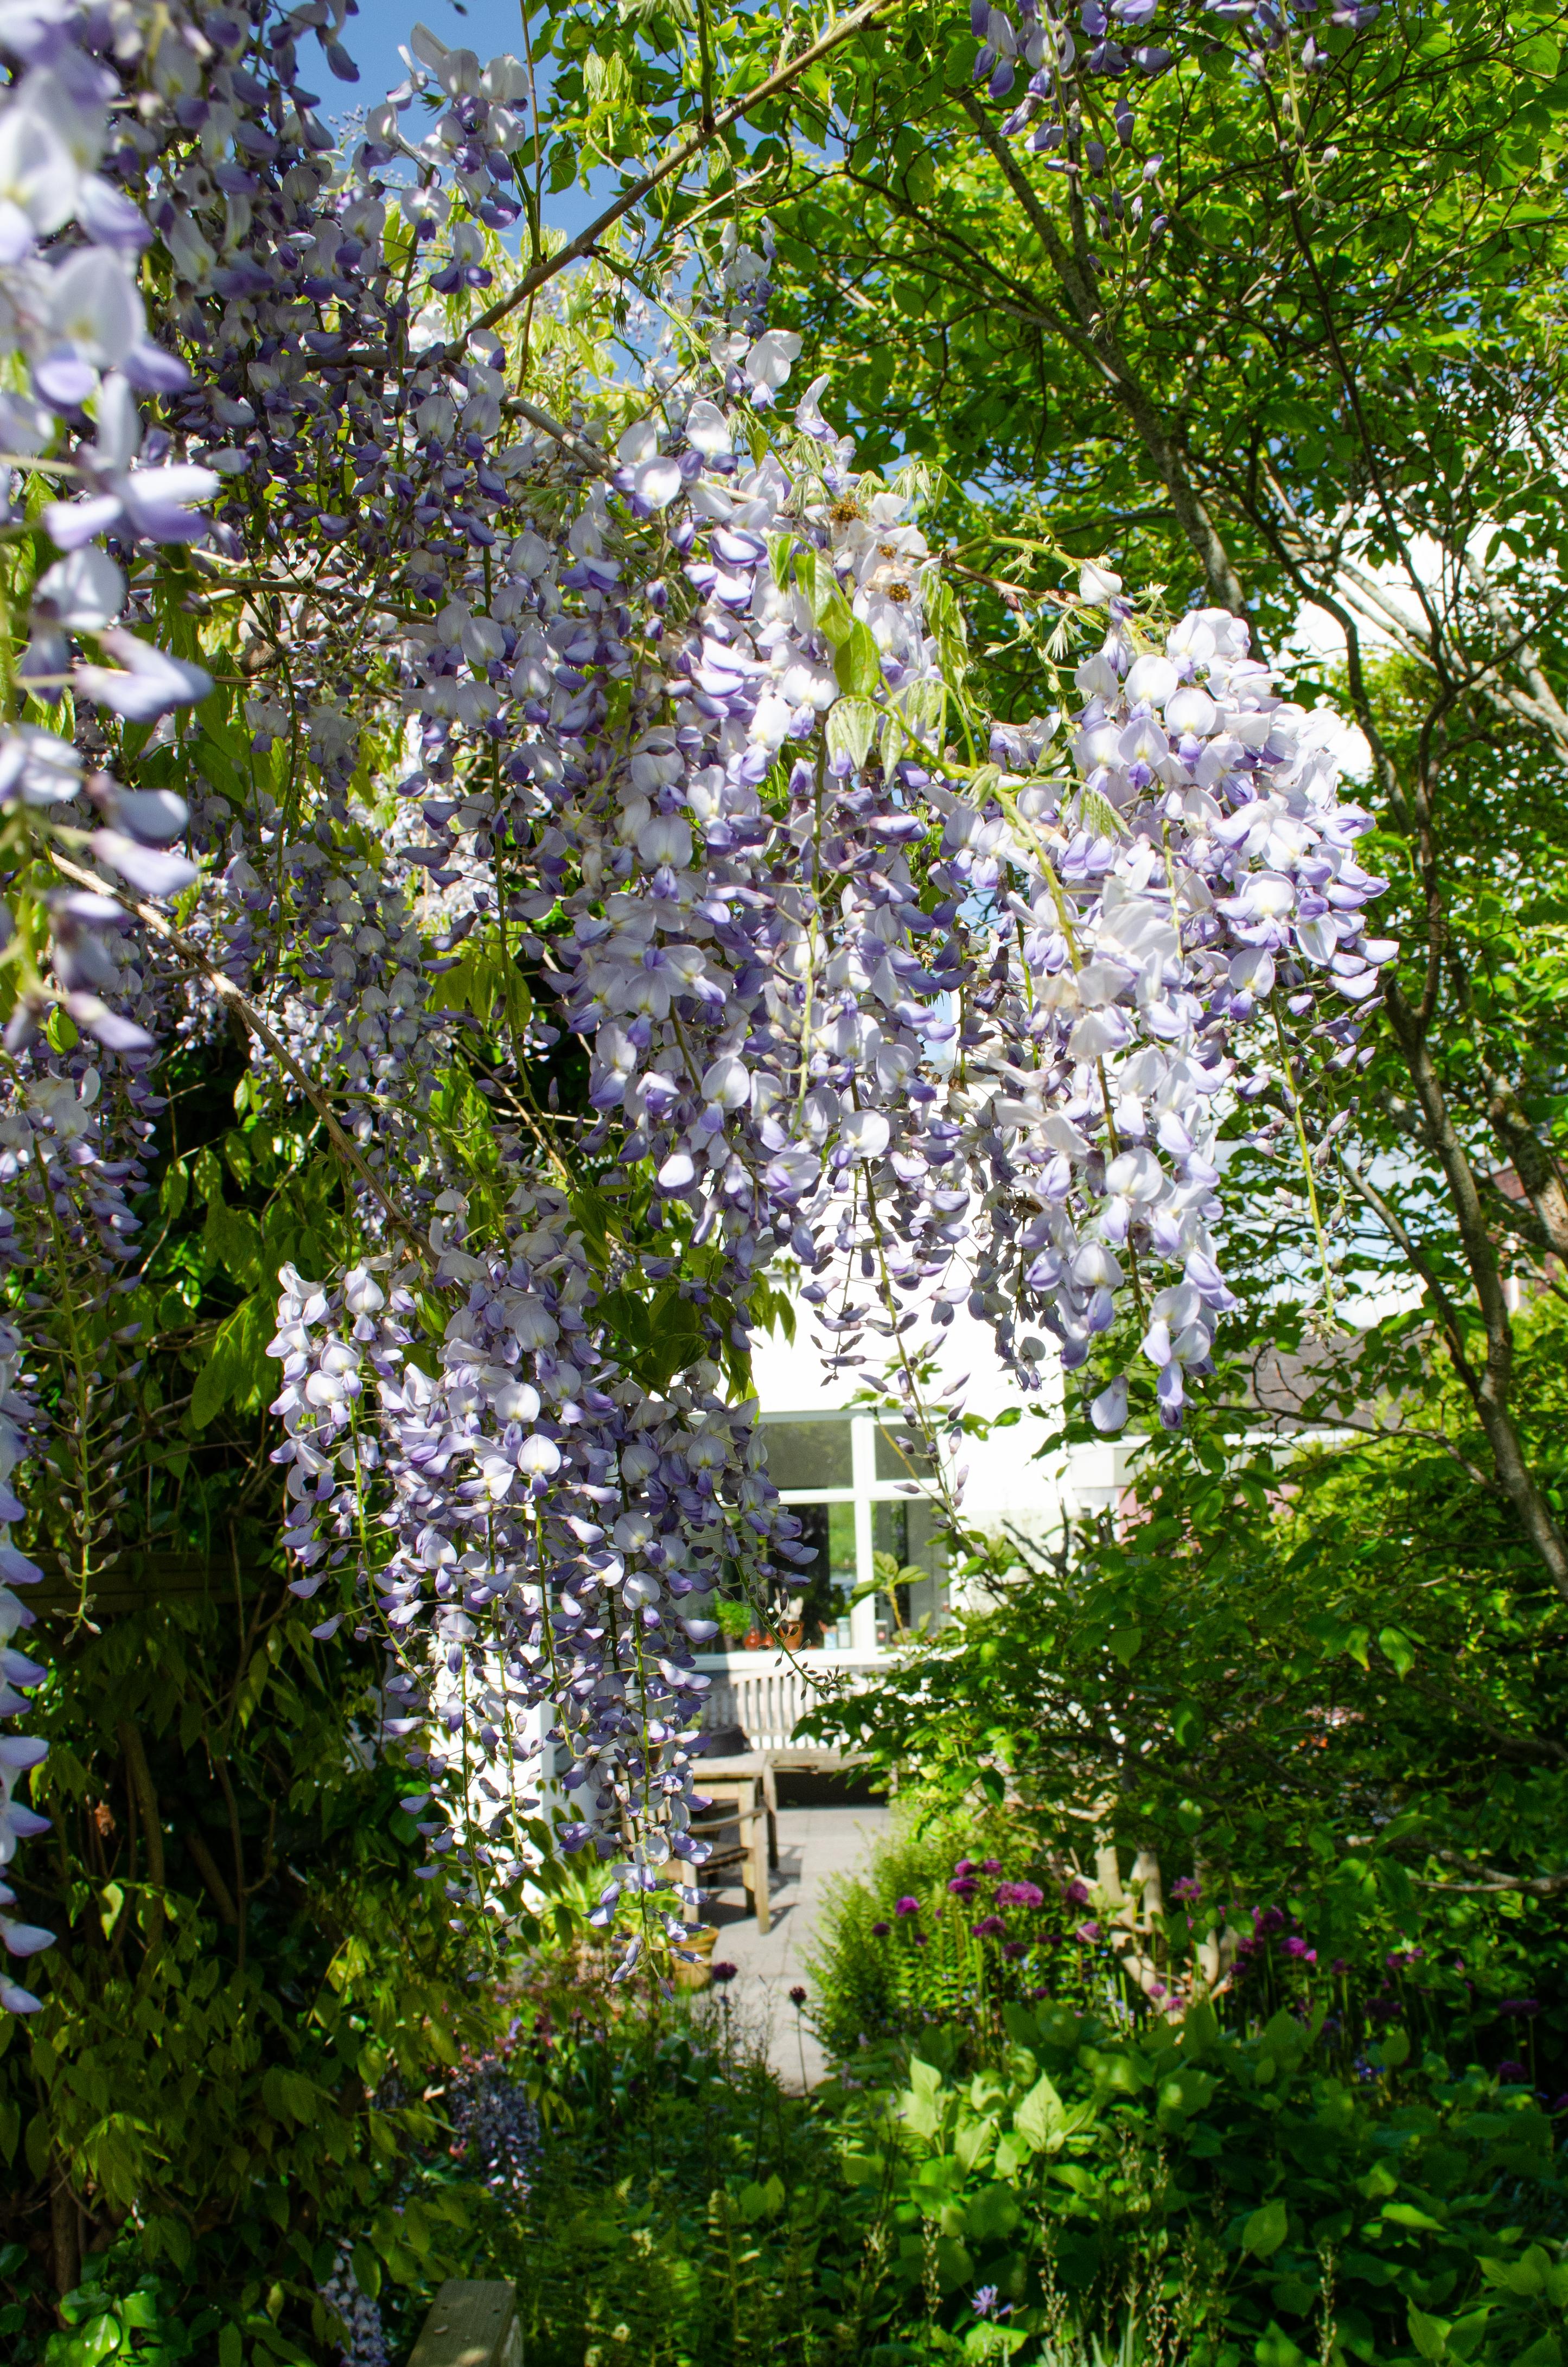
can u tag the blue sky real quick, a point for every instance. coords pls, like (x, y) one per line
(373, 37)
(487, 27)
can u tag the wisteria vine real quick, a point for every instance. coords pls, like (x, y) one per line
(647, 698)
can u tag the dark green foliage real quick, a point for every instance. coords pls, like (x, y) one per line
(250, 1990)
(234, 2044)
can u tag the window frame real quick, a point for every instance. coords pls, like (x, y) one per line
(864, 1492)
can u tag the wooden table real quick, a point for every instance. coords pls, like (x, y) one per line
(795, 1758)
(472, 2324)
(757, 1763)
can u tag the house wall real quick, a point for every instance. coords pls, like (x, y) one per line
(1002, 1481)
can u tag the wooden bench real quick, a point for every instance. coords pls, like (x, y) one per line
(739, 1830)
(473, 2324)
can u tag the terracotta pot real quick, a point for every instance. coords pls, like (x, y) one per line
(756, 1641)
(792, 1635)
(694, 1956)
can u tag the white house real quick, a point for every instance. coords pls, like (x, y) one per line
(845, 1474)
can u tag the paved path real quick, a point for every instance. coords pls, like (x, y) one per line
(814, 1845)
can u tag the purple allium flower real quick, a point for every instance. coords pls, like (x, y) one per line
(797, 1999)
(1076, 1894)
(963, 1886)
(908, 1907)
(1019, 1894)
(989, 1866)
(1014, 1949)
(990, 1926)
(723, 1974)
(1298, 1947)
(1087, 1932)
(1520, 2009)
(880, 1931)
(1512, 2074)
(965, 1866)
(1266, 1920)
(1187, 1887)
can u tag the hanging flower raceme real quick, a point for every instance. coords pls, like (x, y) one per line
(639, 725)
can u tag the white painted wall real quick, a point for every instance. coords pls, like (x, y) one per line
(1005, 1485)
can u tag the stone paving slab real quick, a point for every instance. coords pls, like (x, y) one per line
(814, 1845)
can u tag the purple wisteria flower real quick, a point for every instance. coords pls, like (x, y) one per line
(592, 730)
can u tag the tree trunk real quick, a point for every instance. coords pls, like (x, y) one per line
(64, 2230)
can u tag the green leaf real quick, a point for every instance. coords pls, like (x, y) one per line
(1525, 2278)
(832, 610)
(100, 2338)
(859, 663)
(1430, 2334)
(780, 552)
(238, 1369)
(1407, 2215)
(1399, 1648)
(852, 730)
(176, 1188)
(1266, 2229)
(1041, 2118)
(1275, 2349)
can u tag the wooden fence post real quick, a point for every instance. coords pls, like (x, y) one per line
(473, 2324)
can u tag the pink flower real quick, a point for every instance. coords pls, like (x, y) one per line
(908, 1907)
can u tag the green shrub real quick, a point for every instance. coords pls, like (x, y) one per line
(897, 1948)
(1211, 2199)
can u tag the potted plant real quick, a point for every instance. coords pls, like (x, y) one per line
(737, 1622)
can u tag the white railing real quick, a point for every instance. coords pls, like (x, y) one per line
(767, 1694)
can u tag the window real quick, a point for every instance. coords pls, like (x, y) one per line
(900, 1455)
(810, 1454)
(860, 1489)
